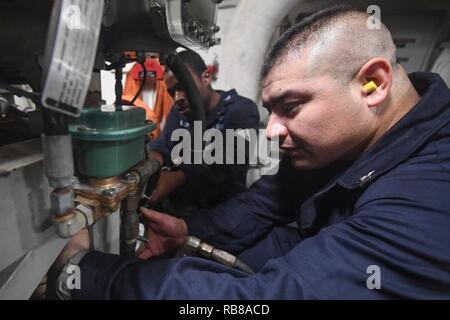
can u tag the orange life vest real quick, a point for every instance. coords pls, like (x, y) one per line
(163, 103)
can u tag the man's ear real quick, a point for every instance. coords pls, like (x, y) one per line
(206, 78)
(375, 79)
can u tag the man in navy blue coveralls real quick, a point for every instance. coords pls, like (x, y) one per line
(194, 186)
(365, 175)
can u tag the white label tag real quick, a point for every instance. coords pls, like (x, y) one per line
(108, 108)
(73, 56)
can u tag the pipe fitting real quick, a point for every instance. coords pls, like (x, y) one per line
(146, 169)
(193, 246)
(70, 224)
(61, 201)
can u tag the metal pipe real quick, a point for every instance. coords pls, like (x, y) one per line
(146, 169)
(129, 226)
(193, 246)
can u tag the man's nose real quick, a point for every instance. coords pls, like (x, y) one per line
(276, 128)
(179, 96)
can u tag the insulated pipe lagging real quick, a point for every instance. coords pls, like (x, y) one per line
(59, 168)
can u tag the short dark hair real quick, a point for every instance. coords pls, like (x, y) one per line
(301, 32)
(193, 61)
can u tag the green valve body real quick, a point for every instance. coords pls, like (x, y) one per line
(108, 144)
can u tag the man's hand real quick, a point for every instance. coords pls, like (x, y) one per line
(165, 233)
(168, 181)
(79, 242)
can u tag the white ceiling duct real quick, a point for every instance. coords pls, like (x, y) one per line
(442, 64)
(247, 41)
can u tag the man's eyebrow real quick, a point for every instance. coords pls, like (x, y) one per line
(277, 98)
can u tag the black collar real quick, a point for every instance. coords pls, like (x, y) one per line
(431, 113)
(226, 98)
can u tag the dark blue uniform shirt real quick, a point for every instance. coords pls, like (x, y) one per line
(389, 209)
(206, 184)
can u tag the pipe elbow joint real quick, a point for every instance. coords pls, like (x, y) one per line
(73, 222)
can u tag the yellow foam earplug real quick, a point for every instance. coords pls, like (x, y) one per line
(370, 87)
